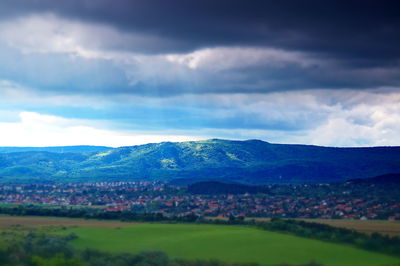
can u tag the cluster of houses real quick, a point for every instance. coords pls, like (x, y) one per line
(292, 202)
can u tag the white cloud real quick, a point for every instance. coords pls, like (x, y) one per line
(221, 58)
(358, 118)
(319, 117)
(36, 129)
(47, 33)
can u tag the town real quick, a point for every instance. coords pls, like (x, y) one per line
(326, 201)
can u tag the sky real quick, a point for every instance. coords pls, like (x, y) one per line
(128, 72)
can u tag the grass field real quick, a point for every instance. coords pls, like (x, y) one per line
(6, 221)
(227, 243)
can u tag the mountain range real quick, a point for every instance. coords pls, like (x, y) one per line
(246, 162)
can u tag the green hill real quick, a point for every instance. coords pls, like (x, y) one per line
(251, 162)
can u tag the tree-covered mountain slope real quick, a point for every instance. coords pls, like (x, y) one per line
(251, 162)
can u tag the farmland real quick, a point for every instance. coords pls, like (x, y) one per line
(227, 243)
(391, 228)
(384, 227)
(222, 242)
(6, 221)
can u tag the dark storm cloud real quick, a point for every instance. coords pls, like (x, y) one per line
(355, 44)
(368, 31)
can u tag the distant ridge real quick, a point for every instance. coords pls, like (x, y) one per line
(251, 162)
(56, 149)
(388, 178)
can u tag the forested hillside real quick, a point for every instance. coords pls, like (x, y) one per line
(250, 162)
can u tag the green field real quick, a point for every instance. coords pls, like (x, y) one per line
(227, 243)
